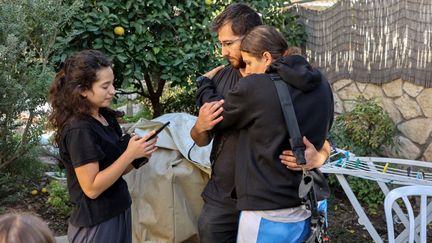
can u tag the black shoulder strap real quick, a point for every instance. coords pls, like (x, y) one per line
(298, 148)
(296, 139)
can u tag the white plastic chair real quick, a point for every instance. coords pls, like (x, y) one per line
(404, 192)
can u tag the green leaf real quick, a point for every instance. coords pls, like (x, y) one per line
(92, 28)
(128, 4)
(138, 75)
(122, 58)
(156, 50)
(105, 10)
(98, 45)
(138, 28)
(108, 41)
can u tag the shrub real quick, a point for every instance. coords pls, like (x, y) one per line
(17, 178)
(144, 113)
(28, 31)
(180, 99)
(10, 190)
(59, 198)
(29, 167)
(364, 129)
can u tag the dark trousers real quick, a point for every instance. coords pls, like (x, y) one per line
(217, 224)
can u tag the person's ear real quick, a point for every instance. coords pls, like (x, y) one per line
(83, 93)
(267, 58)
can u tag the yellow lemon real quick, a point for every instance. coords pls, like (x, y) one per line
(208, 2)
(44, 190)
(118, 30)
(34, 192)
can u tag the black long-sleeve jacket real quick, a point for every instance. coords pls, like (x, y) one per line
(262, 182)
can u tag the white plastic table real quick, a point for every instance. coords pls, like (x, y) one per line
(384, 171)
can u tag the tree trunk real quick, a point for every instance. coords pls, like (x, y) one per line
(155, 93)
(156, 106)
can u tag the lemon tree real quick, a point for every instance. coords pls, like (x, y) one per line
(153, 43)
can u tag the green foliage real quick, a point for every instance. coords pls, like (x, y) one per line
(145, 113)
(29, 167)
(364, 129)
(17, 178)
(164, 41)
(273, 14)
(27, 34)
(366, 191)
(10, 190)
(180, 99)
(59, 198)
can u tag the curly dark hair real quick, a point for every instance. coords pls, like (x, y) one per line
(77, 75)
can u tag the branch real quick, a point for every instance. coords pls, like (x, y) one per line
(24, 139)
(125, 92)
(140, 92)
(143, 90)
(2, 165)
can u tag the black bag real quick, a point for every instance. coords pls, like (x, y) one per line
(321, 187)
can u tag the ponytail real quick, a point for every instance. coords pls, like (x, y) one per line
(55, 99)
(262, 39)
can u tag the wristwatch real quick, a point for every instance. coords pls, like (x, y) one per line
(202, 79)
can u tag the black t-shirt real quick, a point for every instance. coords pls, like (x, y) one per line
(220, 190)
(83, 141)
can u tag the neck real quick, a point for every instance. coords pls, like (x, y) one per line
(242, 71)
(100, 118)
(95, 112)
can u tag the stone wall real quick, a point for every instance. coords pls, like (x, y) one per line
(409, 105)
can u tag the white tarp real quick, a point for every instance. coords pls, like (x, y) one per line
(166, 192)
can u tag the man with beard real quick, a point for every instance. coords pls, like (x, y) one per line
(219, 217)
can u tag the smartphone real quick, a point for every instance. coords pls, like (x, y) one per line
(158, 131)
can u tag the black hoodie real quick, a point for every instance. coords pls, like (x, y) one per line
(262, 181)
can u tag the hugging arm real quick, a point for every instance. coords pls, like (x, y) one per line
(210, 104)
(314, 158)
(222, 114)
(206, 91)
(237, 105)
(208, 117)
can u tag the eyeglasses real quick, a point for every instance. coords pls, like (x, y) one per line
(228, 43)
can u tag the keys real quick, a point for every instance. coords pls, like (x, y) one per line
(305, 184)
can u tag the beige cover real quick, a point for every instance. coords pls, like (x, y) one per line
(166, 192)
